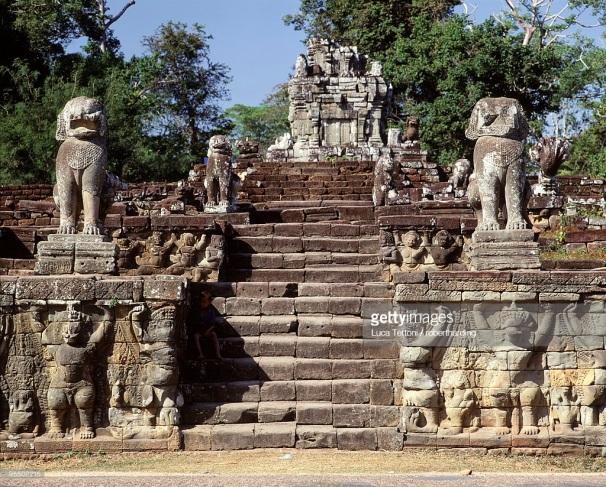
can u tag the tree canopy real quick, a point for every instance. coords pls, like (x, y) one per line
(162, 106)
(441, 62)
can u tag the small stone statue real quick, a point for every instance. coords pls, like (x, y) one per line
(550, 153)
(376, 69)
(196, 174)
(248, 149)
(127, 250)
(214, 253)
(301, 66)
(413, 251)
(445, 249)
(500, 128)
(460, 176)
(71, 380)
(411, 137)
(81, 164)
(219, 175)
(155, 254)
(383, 182)
(284, 142)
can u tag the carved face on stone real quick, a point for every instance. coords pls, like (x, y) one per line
(188, 239)
(411, 239)
(443, 239)
(248, 146)
(156, 238)
(71, 332)
(82, 118)
(498, 117)
(220, 144)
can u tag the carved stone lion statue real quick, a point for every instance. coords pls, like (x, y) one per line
(460, 174)
(81, 164)
(218, 173)
(500, 128)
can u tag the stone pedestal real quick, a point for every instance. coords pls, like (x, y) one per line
(80, 254)
(504, 250)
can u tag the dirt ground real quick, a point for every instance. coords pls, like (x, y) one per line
(304, 462)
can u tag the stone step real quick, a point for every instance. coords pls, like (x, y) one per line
(300, 260)
(341, 415)
(290, 434)
(278, 244)
(321, 274)
(320, 323)
(334, 230)
(256, 199)
(277, 289)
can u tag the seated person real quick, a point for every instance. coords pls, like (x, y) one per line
(204, 319)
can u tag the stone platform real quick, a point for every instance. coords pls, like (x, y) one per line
(76, 254)
(504, 250)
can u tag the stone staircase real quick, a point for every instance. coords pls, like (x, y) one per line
(296, 369)
(327, 180)
(305, 252)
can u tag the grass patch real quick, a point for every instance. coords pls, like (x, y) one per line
(562, 254)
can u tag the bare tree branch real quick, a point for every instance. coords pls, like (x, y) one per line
(116, 17)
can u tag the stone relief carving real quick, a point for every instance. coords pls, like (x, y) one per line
(145, 394)
(71, 372)
(413, 251)
(445, 249)
(199, 260)
(155, 254)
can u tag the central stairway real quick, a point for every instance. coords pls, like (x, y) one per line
(296, 369)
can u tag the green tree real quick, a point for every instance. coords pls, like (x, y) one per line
(51, 25)
(188, 86)
(263, 123)
(441, 63)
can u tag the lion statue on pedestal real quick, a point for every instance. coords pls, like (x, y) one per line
(81, 164)
(500, 128)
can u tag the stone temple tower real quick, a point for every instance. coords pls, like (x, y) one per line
(339, 103)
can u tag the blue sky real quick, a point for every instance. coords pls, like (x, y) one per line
(249, 36)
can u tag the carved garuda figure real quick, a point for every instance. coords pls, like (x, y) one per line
(500, 128)
(218, 174)
(81, 163)
(71, 378)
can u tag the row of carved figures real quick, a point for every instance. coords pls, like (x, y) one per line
(412, 251)
(511, 401)
(55, 374)
(198, 258)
